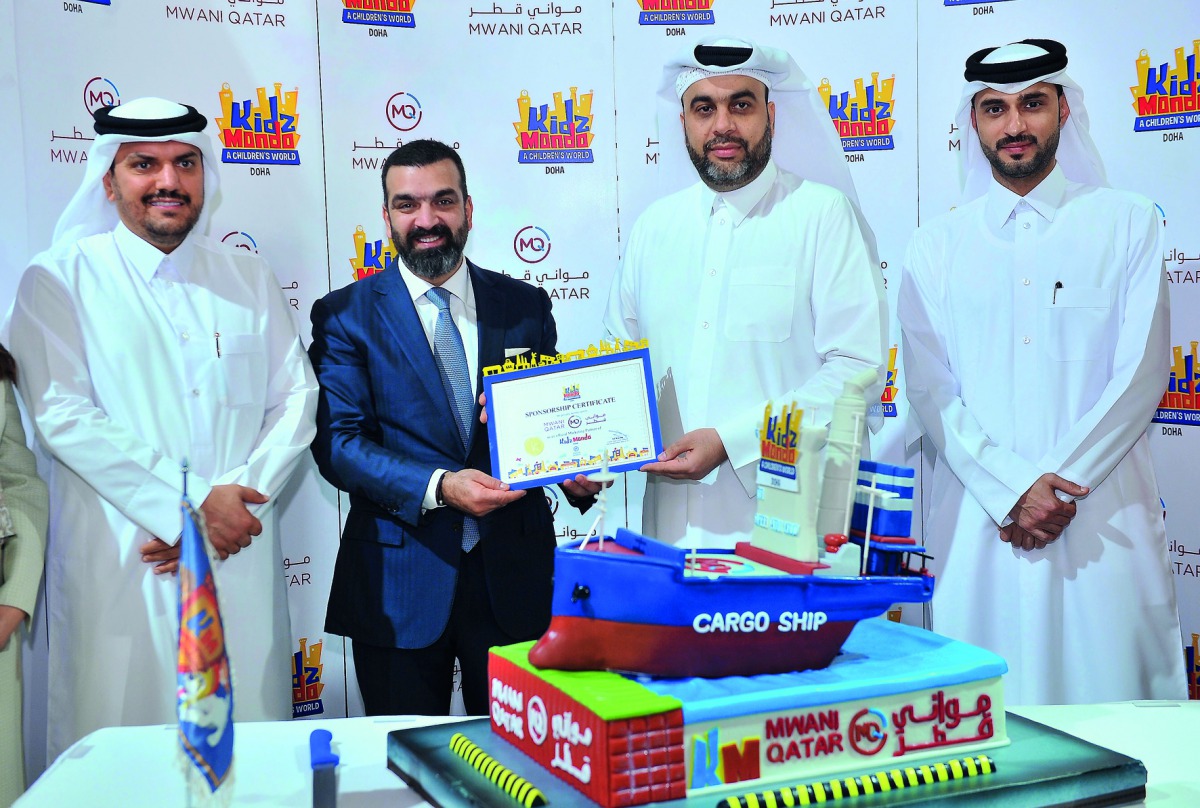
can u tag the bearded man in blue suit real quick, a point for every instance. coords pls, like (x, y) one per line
(438, 559)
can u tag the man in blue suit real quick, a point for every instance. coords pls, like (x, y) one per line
(438, 559)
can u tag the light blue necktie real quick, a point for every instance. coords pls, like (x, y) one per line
(451, 360)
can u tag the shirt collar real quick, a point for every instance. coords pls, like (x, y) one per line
(1045, 199)
(457, 284)
(741, 201)
(146, 259)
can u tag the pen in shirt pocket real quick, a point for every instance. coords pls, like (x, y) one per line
(217, 339)
(1053, 300)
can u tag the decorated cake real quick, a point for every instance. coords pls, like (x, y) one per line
(668, 673)
(894, 698)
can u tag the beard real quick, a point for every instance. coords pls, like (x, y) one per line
(172, 228)
(433, 262)
(1037, 163)
(167, 232)
(722, 178)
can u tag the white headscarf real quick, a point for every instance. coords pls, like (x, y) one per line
(1011, 69)
(143, 120)
(805, 141)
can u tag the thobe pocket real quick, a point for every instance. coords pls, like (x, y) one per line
(243, 366)
(1076, 323)
(760, 312)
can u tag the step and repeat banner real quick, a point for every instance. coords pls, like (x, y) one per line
(552, 108)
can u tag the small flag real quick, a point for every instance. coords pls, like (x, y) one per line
(205, 692)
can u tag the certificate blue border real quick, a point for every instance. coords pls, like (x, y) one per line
(641, 354)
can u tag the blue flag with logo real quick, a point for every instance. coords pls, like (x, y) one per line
(205, 691)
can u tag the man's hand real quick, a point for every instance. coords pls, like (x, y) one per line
(1017, 537)
(581, 492)
(582, 488)
(471, 491)
(691, 457)
(163, 556)
(230, 524)
(10, 620)
(1040, 513)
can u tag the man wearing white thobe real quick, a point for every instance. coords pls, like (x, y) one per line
(783, 303)
(143, 344)
(1036, 346)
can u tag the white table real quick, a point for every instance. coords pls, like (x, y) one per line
(127, 767)
(1164, 735)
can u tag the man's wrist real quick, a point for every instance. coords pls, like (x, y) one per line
(433, 497)
(438, 495)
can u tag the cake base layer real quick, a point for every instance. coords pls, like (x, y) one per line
(1042, 766)
(894, 695)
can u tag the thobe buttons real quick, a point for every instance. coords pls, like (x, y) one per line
(1025, 340)
(1025, 281)
(1026, 225)
(712, 272)
(195, 392)
(705, 324)
(721, 221)
(186, 336)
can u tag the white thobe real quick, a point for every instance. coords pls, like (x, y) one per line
(761, 294)
(117, 350)
(1036, 339)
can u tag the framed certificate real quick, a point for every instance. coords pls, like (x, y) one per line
(546, 424)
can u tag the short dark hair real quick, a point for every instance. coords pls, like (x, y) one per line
(420, 153)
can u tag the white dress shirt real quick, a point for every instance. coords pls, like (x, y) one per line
(462, 309)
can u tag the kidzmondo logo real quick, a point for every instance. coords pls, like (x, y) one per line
(371, 257)
(259, 132)
(1180, 405)
(676, 12)
(1166, 98)
(1191, 655)
(888, 399)
(863, 120)
(561, 133)
(306, 680)
(392, 13)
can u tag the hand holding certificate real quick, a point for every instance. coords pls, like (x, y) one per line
(546, 424)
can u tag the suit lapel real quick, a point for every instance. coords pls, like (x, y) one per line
(490, 305)
(397, 311)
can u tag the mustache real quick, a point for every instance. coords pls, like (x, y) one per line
(1015, 139)
(722, 140)
(182, 197)
(439, 230)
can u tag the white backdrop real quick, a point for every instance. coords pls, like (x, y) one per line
(356, 82)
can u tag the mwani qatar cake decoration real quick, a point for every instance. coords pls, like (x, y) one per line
(668, 673)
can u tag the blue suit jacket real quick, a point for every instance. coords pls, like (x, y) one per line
(384, 424)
